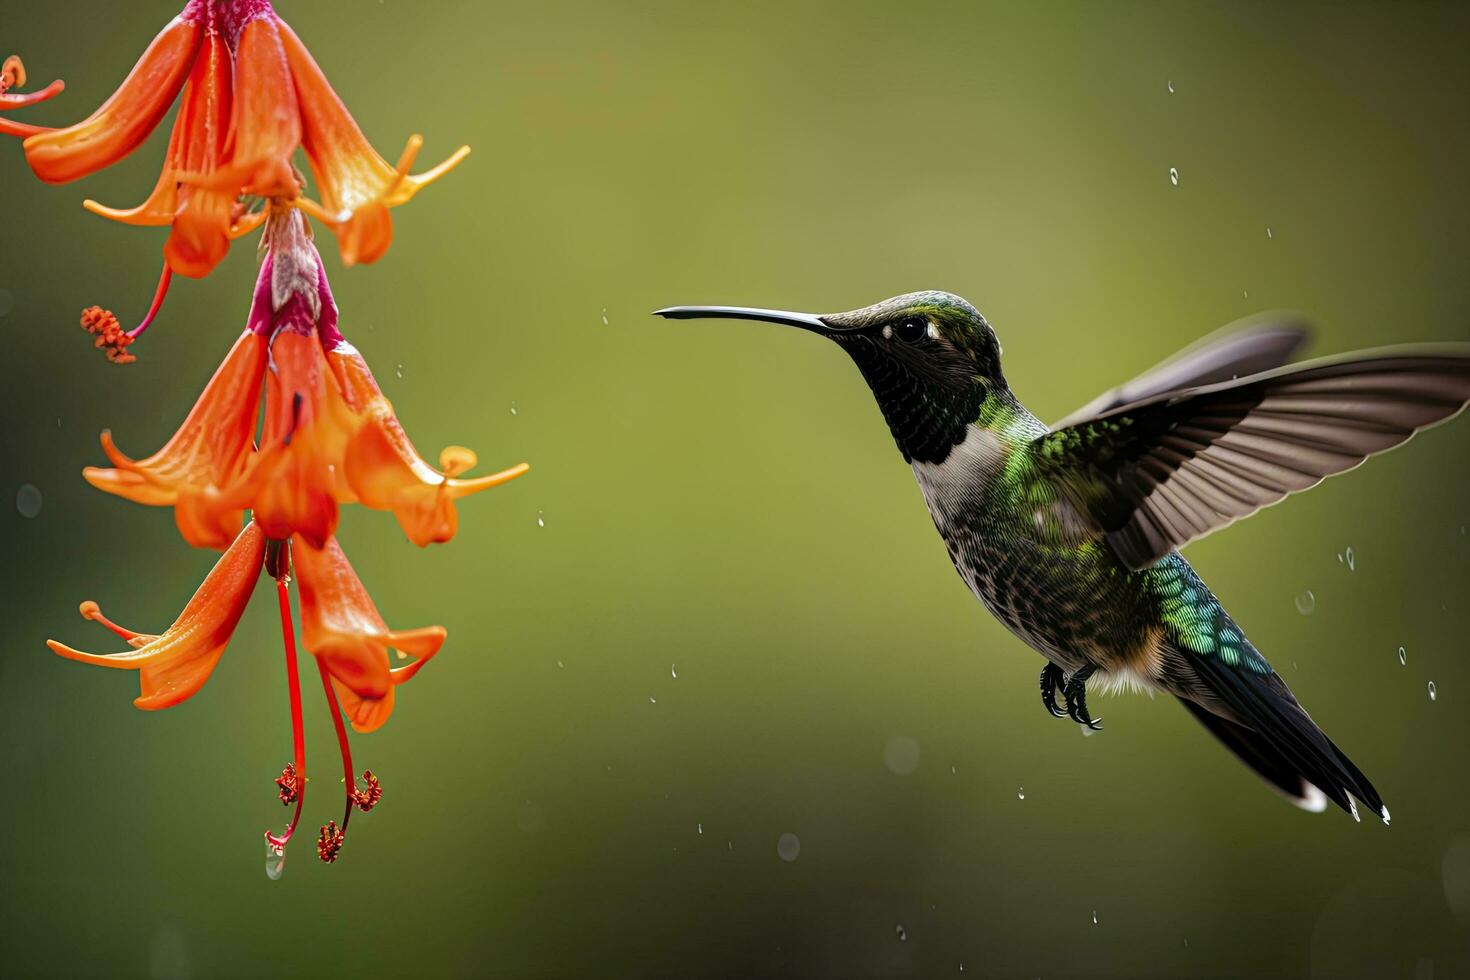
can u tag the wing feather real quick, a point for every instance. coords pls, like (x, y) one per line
(1158, 473)
(1243, 348)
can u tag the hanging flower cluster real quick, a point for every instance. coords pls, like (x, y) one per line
(293, 424)
(251, 96)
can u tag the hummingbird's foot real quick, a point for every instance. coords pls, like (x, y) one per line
(1076, 694)
(1051, 679)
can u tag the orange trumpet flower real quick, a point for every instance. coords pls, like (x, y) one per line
(252, 94)
(173, 665)
(329, 437)
(342, 629)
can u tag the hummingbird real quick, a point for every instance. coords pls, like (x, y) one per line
(1070, 534)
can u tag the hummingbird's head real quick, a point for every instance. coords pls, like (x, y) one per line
(930, 358)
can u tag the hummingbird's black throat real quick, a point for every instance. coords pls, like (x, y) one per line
(927, 416)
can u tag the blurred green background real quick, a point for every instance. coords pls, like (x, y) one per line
(725, 498)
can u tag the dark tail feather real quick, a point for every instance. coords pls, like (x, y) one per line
(1273, 735)
(1257, 753)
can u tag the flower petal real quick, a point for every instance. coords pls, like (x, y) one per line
(12, 75)
(266, 126)
(201, 232)
(357, 185)
(341, 626)
(386, 472)
(125, 119)
(175, 664)
(210, 449)
(293, 484)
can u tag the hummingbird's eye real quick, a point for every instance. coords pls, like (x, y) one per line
(912, 329)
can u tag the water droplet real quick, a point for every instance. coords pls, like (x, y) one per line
(653, 700)
(275, 861)
(1021, 793)
(28, 500)
(788, 847)
(560, 665)
(1094, 916)
(1245, 294)
(1306, 603)
(962, 966)
(1403, 657)
(513, 409)
(1171, 86)
(604, 316)
(700, 828)
(1352, 565)
(674, 671)
(901, 933)
(400, 371)
(541, 518)
(1186, 942)
(1174, 176)
(1433, 692)
(952, 770)
(1268, 232)
(901, 755)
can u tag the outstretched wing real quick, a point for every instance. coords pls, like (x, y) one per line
(1242, 348)
(1168, 469)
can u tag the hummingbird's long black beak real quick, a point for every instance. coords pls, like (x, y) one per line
(805, 321)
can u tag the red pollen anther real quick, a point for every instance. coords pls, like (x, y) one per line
(287, 782)
(110, 334)
(298, 734)
(329, 842)
(367, 798)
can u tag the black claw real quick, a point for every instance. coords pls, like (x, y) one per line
(1075, 692)
(1051, 679)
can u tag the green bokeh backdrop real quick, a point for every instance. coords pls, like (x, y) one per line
(724, 497)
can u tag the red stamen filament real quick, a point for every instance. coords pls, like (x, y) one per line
(90, 610)
(349, 781)
(298, 734)
(164, 279)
